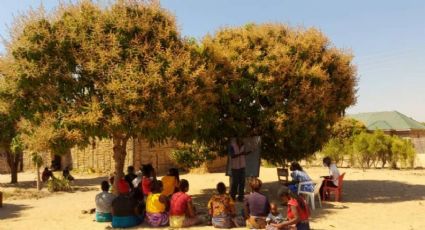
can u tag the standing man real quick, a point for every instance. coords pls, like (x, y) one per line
(237, 164)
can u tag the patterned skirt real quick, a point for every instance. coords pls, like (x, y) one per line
(222, 222)
(256, 222)
(157, 219)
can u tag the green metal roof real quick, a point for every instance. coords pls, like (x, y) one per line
(391, 120)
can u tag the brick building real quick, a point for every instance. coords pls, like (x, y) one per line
(99, 157)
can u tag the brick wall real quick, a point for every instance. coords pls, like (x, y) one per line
(4, 167)
(28, 164)
(157, 155)
(99, 156)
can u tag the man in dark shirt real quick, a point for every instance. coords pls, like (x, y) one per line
(124, 208)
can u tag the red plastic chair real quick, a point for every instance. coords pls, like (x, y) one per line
(336, 190)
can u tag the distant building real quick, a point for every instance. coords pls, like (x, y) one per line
(396, 123)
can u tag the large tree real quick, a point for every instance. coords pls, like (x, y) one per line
(287, 85)
(9, 118)
(114, 72)
(9, 138)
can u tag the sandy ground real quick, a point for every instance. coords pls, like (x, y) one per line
(373, 199)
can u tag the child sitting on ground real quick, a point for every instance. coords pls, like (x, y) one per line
(156, 206)
(171, 182)
(182, 212)
(221, 208)
(274, 217)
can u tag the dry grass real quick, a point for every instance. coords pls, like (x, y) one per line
(19, 194)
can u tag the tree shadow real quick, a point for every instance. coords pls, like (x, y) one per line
(85, 182)
(20, 184)
(381, 191)
(9, 211)
(80, 184)
(328, 208)
(200, 201)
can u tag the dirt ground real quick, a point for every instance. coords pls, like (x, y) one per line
(373, 199)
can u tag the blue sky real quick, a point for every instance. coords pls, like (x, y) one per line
(387, 38)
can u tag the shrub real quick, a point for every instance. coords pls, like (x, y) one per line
(380, 147)
(56, 185)
(403, 152)
(335, 149)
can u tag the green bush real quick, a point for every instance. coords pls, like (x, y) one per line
(192, 156)
(402, 152)
(334, 149)
(56, 185)
(371, 149)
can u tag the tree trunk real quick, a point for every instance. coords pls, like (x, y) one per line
(38, 177)
(120, 152)
(66, 160)
(21, 163)
(13, 162)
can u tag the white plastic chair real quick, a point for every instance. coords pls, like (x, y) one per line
(310, 195)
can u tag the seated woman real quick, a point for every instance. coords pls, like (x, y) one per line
(256, 206)
(221, 208)
(182, 212)
(332, 179)
(104, 204)
(299, 175)
(171, 182)
(124, 208)
(297, 213)
(156, 206)
(46, 175)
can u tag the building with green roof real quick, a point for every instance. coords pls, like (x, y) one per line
(395, 123)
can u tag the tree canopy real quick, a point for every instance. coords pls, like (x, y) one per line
(117, 72)
(123, 70)
(287, 85)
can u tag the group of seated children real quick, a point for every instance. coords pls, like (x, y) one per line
(160, 203)
(166, 202)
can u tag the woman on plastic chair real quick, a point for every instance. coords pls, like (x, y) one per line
(332, 179)
(299, 175)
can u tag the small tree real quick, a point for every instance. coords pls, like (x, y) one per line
(335, 149)
(361, 147)
(340, 146)
(403, 152)
(37, 160)
(380, 147)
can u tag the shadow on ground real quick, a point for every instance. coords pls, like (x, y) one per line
(354, 191)
(381, 191)
(20, 184)
(11, 210)
(89, 181)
